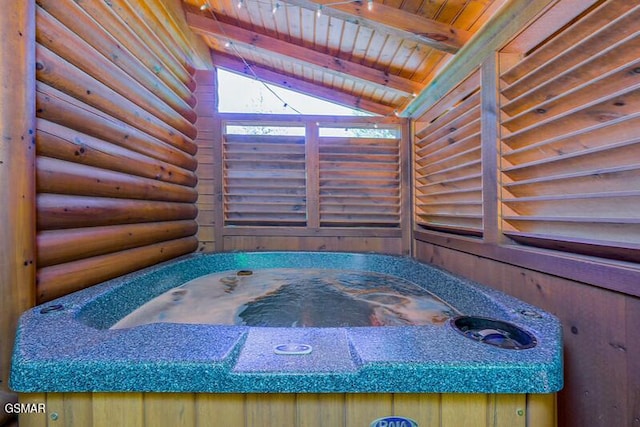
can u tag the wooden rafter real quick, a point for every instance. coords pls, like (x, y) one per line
(226, 62)
(498, 31)
(392, 21)
(298, 54)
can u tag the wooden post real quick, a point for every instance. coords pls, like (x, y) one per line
(489, 137)
(313, 174)
(406, 186)
(17, 171)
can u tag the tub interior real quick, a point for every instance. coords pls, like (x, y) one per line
(289, 297)
(107, 305)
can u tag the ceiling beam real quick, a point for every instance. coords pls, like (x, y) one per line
(498, 31)
(231, 63)
(267, 45)
(392, 21)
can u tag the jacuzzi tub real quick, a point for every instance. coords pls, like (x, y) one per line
(66, 345)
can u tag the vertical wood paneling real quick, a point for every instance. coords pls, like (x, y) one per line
(80, 414)
(55, 405)
(169, 409)
(596, 335)
(265, 410)
(422, 408)
(226, 409)
(287, 410)
(36, 419)
(117, 409)
(17, 172)
(508, 410)
(115, 143)
(538, 407)
(632, 347)
(466, 410)
(363, 408)
(318, 410)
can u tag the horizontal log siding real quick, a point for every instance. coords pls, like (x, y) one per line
(115, 165)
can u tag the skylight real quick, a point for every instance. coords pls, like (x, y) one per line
(241, 94)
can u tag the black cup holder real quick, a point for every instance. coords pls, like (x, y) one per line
(493, 332)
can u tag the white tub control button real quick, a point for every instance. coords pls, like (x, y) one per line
(292, 349)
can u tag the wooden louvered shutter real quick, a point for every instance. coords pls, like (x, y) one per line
(571, 141)
(264, 180)
(448, 167)
(359, 182)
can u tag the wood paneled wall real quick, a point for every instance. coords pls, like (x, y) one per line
(115, 141)
(602, 370)
(559, 190)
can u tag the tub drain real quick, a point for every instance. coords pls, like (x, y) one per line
(292, 349)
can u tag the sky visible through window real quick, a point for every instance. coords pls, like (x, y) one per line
(242, 94)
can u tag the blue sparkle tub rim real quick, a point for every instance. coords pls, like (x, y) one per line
(70, 348)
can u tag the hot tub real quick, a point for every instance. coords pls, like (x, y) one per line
(457, 370)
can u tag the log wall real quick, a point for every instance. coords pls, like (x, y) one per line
(115, 165)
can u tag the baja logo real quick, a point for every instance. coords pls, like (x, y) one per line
(394, 422)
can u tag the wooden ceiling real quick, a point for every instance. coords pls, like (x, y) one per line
(375, 59)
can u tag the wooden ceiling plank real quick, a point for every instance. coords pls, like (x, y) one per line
(502, 27)
(393, 21)
(209, 27)
(233, 64)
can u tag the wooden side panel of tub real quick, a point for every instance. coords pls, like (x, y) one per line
(287, 410)
(115, 141)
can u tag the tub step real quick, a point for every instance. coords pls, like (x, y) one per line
(296, 350)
